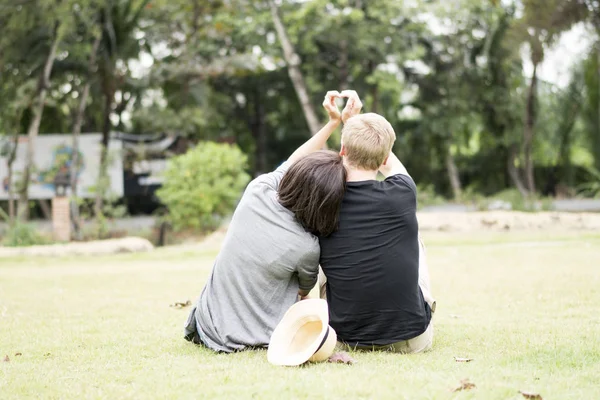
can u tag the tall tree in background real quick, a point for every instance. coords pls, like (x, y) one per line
(16, 88)
(542, 23)
(293, 63)
(498, 101)
(592, 83)
(79, 116)
(120, 21)
(55, 14)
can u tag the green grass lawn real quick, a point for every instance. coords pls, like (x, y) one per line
(525, 308)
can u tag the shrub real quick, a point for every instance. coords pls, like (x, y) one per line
(511, 199)
(203, 185)
(591, 188)
(22, 234)
(427, 196)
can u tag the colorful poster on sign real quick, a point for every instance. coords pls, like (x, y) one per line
(52, 157)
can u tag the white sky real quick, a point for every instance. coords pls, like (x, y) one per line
(559, 61)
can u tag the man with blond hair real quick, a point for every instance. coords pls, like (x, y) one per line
(375, 273)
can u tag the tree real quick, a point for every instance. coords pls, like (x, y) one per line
(498, 101)
(542, 23)
(52, 29)
(91, 69)
(293, 63)
(120, 20)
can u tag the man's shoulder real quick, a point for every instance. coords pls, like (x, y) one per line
(400, 181)
(396, 195)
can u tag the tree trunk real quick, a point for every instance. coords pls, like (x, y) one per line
(566, 141)
(34, 126)
(343, 65)
(293, 62)
(529, 132)
(76, 132)
(596, 143)
(374, 88)
(453, 175)
(101, 186)
(10, 162)
(375, 97)
(261, 136)
(513, 172)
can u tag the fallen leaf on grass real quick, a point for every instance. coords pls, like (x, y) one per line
(341, 357)
(18, 354)
(531, 396)
(181, 305)
(461, 359)
(465, 384)
(6, 359)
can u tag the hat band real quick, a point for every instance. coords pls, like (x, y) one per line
(323, 341)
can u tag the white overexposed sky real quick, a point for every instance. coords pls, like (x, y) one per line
(572, 47)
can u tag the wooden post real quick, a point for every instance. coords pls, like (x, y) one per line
(61, 219)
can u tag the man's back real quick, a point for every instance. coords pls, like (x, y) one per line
(372, 265)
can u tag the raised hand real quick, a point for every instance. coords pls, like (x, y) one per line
(353, 106)
(331, 107)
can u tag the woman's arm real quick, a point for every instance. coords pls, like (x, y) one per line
(317, 142)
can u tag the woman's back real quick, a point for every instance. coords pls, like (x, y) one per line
(254, 281)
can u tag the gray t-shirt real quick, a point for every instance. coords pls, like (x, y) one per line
(265, 258)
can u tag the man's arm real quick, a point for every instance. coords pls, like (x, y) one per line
(318, 141)
(393, 166)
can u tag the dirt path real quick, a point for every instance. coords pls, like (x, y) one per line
(508, 221)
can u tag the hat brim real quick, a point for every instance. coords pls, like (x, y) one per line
(302, 332)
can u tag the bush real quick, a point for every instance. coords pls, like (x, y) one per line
(21, 234)
(427, 196)
(511, 199)
(203, 185)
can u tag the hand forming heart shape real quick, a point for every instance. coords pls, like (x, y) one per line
(352, 108)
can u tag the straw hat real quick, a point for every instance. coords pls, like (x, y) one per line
(303, 335)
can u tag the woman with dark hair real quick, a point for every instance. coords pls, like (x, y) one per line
(270, 256)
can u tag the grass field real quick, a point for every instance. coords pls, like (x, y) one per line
(524, 307)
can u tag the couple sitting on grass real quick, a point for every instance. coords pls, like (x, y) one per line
(327, 209)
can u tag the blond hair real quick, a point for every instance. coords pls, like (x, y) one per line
(368, 140)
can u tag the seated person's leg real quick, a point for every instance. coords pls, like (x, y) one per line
(420, 344)
(424, 282)
(322, 284)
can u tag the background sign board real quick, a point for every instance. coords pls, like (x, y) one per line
(52, 155)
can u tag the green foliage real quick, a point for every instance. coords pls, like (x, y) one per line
(449, 76)
(203, 185)
(23, 234)
(512, 199)
(591, 188)
(427, 196)
(591, 111)
(20, 233)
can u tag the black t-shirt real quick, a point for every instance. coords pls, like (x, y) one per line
(372, 265)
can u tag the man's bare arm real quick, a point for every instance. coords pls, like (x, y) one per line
(393, 166)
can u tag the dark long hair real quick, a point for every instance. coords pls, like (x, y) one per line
(313, 189)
